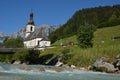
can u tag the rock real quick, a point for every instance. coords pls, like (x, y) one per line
(118, 72)
(41, 68)
(83, 69)
(30, 68)
(116, 63)
(73, 66)
(17, 62)
(101, 65)
(24, 63)
(66, 66)
(53, 61)
(58, 64)
(26, 68)
(57, 69)
(90, 67)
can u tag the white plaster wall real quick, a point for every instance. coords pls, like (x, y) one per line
(32, 43)
(38, 39)
(44, 44)
(29, 44)
(28, 30)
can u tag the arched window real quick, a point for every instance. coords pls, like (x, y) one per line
(31, 28)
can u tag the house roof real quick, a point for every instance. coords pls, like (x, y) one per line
(38, 33)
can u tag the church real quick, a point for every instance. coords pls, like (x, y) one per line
(35, 38)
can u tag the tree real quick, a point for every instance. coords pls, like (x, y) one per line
(53, 37)
(6, 38)
(33, 57)
(114, 20)
(85, 36)
(13, 43)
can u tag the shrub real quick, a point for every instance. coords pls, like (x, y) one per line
(21, 55)
(66, 55)
(33, 56)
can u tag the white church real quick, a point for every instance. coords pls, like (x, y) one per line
(35, 38)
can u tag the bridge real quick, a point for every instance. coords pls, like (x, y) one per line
(8, 50)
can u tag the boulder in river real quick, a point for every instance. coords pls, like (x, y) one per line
(17, 62)
(101, 65)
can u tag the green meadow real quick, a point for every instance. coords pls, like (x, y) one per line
(104, 46)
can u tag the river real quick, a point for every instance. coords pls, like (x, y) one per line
(40, 72)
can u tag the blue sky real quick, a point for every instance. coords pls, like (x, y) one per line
(14, 14)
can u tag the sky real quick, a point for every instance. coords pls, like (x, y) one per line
(14, 14)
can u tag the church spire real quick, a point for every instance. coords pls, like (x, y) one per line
(31, 21)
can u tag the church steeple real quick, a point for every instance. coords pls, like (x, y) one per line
(30, 26)
(31, 21)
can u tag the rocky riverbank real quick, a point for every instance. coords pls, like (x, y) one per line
(104, 66)
(100, 65)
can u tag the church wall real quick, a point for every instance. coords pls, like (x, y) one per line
(30, 28)
(32, 43)
(44, 44)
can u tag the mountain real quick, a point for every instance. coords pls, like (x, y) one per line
(48, 29)
(21, 32)
(98, 16)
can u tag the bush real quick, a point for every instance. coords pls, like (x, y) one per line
(5, 58)
(24, 55)
(21, 55)
(66, 55)
(33, 57)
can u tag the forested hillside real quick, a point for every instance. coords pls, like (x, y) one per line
(99, 16)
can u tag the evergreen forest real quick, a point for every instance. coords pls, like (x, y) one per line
(102, 16)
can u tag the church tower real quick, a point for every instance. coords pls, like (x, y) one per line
(30, 26)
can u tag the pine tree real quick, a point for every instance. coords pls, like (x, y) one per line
(85, 36)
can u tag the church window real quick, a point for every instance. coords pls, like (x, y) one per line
(31, 28)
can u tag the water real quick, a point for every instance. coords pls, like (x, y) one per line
(39, 72)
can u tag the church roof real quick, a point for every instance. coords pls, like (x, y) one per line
(38, 33)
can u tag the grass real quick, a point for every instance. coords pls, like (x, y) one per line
(104, 46)
(66, 40)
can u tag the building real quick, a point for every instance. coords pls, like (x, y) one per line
(35, 37)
